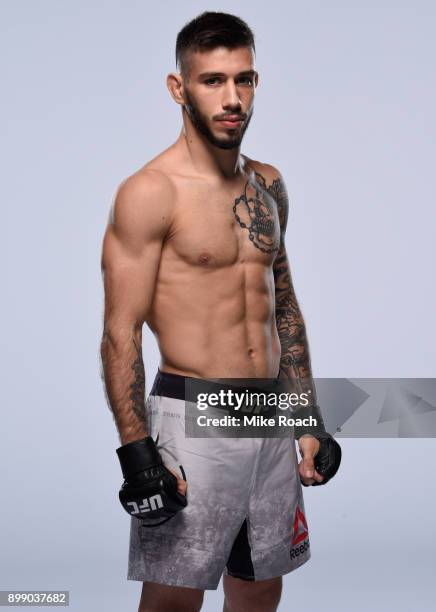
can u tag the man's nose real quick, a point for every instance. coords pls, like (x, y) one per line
(231, 96)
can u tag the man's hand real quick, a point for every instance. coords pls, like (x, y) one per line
(308, 447)
(150, 491)
(182, 485)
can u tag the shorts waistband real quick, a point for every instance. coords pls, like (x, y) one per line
(170, 385)
(175, 386)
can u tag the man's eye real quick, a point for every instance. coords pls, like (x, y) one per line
(245, 80)
(248, 80)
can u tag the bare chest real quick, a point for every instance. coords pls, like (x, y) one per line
(220, 227)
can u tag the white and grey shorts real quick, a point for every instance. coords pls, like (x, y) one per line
(245, 515)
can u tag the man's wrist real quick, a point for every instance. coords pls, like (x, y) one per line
(132, 435)
(309, 421)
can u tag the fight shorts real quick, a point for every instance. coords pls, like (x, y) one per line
(245, 515)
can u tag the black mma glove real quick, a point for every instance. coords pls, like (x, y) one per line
(328, 458)
(149, 490)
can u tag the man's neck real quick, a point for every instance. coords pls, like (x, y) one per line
(210, 160)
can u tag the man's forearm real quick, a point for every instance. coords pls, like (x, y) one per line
(124, 380)
(295, 357)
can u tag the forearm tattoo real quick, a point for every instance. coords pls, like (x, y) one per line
(121, 355)
(295, 360)
(138, 386)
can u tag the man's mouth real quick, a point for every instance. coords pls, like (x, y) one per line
(231, 121)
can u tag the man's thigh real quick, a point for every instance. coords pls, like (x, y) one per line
(163, 598)
(249, 596)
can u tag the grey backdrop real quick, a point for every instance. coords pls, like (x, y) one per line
(345, 108)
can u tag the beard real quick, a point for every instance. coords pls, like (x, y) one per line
(200, 123)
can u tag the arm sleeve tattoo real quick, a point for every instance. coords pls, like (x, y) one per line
(295, 356)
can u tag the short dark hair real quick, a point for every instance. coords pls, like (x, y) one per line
(208, 31)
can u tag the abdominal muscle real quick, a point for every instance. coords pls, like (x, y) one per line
(216, 323)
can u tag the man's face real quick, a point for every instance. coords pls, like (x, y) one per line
(221, 86)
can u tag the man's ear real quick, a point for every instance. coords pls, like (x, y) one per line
(175, 87)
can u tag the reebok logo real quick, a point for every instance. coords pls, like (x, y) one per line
(299, 550)
(300, 527)
(300, 535)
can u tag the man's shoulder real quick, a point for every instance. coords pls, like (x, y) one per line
(142, 204)
(264, 170)
(144, 184)
(146, 190)
(270, 177)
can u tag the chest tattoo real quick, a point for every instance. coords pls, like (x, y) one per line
(256, 210)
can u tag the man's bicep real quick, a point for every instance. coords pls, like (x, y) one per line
(278, 190)
(132, 249)
(129, 281)
(284, 290)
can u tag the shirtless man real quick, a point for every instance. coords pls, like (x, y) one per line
(195, 249)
